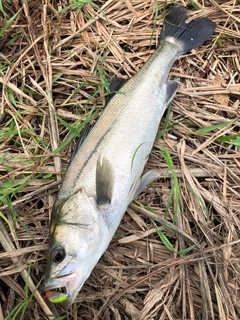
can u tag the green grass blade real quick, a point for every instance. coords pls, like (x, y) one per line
(3, 157)
(214, 127)
(9, 23)
(68, 126)
(27, 230)
(205, 209)
(186, 250)
(228, 138)
(76, 133)
(8, 223)
(156, 13)
(163, 238)
(174, 192)
(236, 142)
(194, 5)
(166, 123)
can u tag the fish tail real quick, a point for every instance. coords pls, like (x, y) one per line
(185, 36)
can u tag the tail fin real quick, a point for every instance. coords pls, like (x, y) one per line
(186, 35)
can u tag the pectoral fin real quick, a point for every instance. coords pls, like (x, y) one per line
(104, 181)
(140, 184)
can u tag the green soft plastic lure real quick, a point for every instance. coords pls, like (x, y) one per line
(56, 297)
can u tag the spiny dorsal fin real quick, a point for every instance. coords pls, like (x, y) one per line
(104, 181)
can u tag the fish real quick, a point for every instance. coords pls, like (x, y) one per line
(105, 173)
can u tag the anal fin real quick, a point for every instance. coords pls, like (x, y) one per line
(172, 87)
(141, 183)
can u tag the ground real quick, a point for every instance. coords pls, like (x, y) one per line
(176, 252)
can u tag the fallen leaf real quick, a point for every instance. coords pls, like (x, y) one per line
(223, 99)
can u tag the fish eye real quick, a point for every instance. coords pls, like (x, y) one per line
(57, 255)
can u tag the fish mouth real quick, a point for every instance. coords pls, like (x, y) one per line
(64, 284)
(61, 289)
(60, 280)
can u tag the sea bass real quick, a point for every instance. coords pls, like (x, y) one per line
(105, 172)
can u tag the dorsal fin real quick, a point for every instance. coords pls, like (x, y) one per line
(104, 181)
(83, 135)
(115, 85)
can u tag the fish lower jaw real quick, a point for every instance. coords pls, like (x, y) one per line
(57, 290)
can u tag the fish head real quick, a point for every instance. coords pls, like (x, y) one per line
(78, 238)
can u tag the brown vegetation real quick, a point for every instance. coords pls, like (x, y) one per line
(54, 59)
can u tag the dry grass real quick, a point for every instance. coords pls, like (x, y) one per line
(51, 63)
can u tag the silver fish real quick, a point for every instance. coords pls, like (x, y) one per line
(105, 172)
